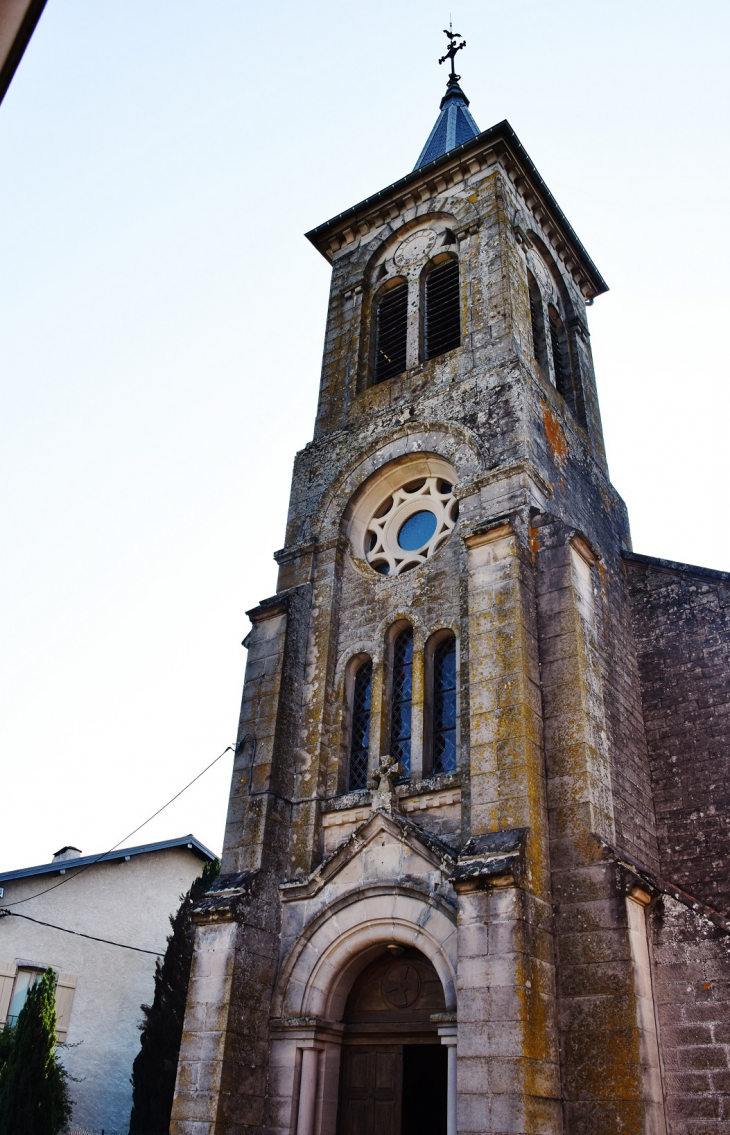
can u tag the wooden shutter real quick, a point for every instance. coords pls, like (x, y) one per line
(7, 979)
(65, 988)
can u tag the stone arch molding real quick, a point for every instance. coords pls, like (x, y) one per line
(455, 444)
(456, 210)
(321, 967)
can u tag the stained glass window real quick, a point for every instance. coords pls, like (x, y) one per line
(444, 707)
(360, 737)
(417, 530)
(400, 719)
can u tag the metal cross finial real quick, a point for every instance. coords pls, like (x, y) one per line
(453, 48)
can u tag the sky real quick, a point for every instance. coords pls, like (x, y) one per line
(162, 319)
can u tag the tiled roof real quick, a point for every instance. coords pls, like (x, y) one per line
(453, 126)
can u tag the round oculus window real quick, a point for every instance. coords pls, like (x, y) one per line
(417, 530)
(410, 525)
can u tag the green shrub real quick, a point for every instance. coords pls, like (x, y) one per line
(34, 1097)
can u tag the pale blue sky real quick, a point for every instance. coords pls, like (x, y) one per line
(162, 320)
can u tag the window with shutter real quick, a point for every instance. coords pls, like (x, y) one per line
(391, 327)
(7, 979)
(25, 979)
(442, 314)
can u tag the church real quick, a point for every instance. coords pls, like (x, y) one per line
(475, 874)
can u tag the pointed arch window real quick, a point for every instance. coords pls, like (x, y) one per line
(391, 332)
(402, 700)
(444, 707)
(360, 727)
(442, 309)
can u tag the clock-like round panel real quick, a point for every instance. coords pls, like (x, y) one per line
(415, 247)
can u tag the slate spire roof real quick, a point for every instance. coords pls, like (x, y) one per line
(453, 126)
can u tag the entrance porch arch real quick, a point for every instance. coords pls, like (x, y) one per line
(318, 974)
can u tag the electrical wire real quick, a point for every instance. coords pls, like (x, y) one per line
(68, 878)
(5, 913)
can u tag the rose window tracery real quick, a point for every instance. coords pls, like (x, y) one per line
(410, 525)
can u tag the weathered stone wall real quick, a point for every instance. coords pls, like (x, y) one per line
(681, 617)
(556, 1022)
(691, 956)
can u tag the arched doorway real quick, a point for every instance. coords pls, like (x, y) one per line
(393, 1077)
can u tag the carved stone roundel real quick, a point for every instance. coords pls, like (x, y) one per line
(415, 247)
(401, 985)
(410, 525)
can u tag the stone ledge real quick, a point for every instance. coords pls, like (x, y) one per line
(491, 860)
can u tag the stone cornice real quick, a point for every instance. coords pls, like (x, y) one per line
(653, 885)
(500, 145)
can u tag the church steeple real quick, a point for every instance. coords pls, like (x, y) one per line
(454, 124)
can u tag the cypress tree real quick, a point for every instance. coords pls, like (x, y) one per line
(155, 1066)
(6, 1043)
(33, 1083)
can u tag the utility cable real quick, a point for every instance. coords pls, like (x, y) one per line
(5, 913)
(68, 878)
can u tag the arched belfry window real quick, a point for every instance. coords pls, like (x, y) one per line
(391, 326)
(443, 731)
(401, 700)
(360, 726)
(537, 321)
(561, 355)
(442, 309)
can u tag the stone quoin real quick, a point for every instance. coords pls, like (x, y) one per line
(518, 922)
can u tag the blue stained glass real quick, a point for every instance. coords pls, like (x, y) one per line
(417, 531)
(402, 700)
(444, 707)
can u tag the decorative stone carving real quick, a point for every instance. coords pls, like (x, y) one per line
(408, 525)
(401, 985)
(415, 247)
(383, 782)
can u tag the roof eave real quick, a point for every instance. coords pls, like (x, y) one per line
(502, 131)
(63, 865)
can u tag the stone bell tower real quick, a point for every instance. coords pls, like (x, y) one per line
(441, 845)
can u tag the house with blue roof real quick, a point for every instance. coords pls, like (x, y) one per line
(101, 922)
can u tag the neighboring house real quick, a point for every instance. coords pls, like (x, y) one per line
(126, 897)
(18, 19)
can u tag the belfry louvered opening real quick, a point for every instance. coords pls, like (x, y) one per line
(561, 355)
(442, 315)
(391, 318)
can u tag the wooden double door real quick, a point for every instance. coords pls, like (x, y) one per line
(393, 1089)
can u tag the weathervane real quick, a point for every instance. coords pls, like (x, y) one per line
(450, 54)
